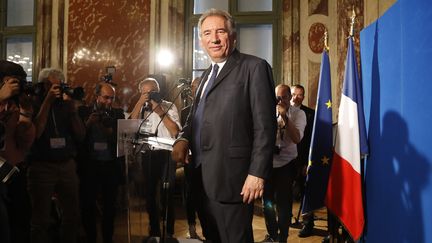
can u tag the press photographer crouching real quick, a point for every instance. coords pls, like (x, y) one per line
(52, 168)
(16, 133)
(100, 170)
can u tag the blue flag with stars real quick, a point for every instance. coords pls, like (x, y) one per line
(321, 148)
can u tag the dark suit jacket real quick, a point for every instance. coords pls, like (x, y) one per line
(303, 146)
(238, 127)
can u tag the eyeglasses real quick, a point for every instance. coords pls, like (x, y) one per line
(106, 97)
(283, 97)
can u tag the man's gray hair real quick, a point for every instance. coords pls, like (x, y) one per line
(46, 72)
(229, 20)
(148, 80)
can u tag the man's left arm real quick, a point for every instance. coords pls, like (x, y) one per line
(262, 103)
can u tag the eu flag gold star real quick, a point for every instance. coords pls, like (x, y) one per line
(325, 160)
(310, 163)
(328, 104)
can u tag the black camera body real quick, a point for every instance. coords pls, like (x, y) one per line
(277, 149)
(75, 93)
(105, 116)
(155, 96)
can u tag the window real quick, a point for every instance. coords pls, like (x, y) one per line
(17, 32)
(258, 31)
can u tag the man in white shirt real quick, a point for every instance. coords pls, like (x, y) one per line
(162, 119)
(278, 189)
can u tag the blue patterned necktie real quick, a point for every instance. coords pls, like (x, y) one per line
(197, 120)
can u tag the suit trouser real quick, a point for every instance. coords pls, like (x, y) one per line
(157, 164)
(222, 222)
(45, 179)
(19, 207)
(4, 219)
(277, 198)
(187, 191)
(99, 177)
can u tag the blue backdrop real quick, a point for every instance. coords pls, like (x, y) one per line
(396, 53)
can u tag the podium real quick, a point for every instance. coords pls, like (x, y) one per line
(132, 137)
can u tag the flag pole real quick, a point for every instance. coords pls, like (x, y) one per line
(353, 19)
(326, 46)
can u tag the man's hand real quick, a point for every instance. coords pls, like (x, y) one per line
(143, 99)
(9, 88)
(282, 109)
(180, 152)
(92, 119)
(253, 188)
(53, 93)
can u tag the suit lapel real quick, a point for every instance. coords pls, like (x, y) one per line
(231, 63)
(204, 78)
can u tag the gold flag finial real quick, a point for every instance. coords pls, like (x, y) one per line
(353, 17)
(326, 46)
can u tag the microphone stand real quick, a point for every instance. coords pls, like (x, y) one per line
(166, 183)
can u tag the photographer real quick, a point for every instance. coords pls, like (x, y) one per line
(16, 133)
(163, 120)
(278, 189)
(100, 168)
(52, 168)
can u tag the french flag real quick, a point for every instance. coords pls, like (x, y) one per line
(344, 197)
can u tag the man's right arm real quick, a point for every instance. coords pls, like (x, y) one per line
(135, 114)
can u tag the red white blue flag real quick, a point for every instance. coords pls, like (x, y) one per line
(344, 197)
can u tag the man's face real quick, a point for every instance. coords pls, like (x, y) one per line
(283, 95)
(54, 80)
(106, 97)
(297, 96)
(215, 38)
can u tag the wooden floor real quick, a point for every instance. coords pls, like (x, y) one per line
(139, 224)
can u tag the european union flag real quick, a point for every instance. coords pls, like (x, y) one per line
(321, 149)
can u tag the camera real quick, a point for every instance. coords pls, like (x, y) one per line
(75, 93)
(104, 116)
(108, 78)
(155, 96)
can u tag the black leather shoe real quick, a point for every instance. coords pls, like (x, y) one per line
(306, 231)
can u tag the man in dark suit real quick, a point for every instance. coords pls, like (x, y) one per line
(231, 132)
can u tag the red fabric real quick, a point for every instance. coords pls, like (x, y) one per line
(344, 196)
